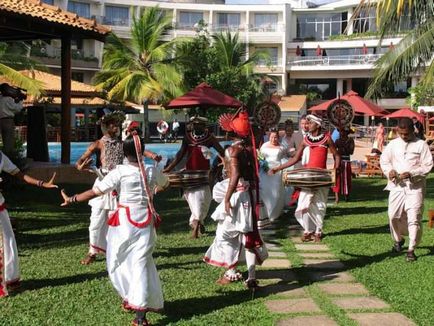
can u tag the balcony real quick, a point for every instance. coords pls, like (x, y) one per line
(269, 66)
(50, 56)
(351, 61)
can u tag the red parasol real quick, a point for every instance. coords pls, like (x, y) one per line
(203, 96)
(405, 113)
(358, 103)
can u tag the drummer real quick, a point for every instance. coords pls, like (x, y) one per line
(312, 202)
(195, 147)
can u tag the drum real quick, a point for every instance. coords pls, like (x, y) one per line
(189, 179)
(309, 178)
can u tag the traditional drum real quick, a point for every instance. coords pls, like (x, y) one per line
(188, 179)
(309, 178)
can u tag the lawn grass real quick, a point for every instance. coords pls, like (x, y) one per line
(59, 291)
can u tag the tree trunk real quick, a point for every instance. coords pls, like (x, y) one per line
(146, 134)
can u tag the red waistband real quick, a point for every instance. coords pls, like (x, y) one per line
(2, 207)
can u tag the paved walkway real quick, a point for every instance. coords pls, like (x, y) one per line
(320, 292)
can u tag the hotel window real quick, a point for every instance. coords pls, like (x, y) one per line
(321, 26)
(365, 21)
(50, 2)
(188, 19)
(266, 22)
(273, 57)
(117, 16)
(80, 8)
(228, 20)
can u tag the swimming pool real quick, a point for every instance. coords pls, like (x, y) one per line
(167, 151)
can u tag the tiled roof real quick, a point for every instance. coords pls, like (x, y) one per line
(52, 83)
(293, 103)
(37, 9)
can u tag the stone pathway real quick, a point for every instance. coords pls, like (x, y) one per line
(308, 296)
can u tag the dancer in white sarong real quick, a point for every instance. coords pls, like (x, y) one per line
(406, 161)
(9, 265)
(237, 237)
(131, 237)
(312, 202)
(196, 148)
(271, 186)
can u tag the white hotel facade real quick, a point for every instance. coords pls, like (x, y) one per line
(326, 48)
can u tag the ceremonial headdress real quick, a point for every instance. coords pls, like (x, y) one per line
(314, 118)
(238, 123)
(198, 119)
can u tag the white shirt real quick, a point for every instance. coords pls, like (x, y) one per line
(175, 125)
(127, 178)
(413, 157)
(8, 107)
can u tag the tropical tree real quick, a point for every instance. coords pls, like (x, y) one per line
(414, 53)
(221, 61)
(14, 57)
(141, 69)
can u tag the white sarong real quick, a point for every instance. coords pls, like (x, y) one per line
(199, 200)
(311, 209)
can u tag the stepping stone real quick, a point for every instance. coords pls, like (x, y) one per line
(319, 276)
(276, 263)
(361, 303)
(316, 255)
(284, 275)
(383, 319)
(343, 288)
(311, 247)
(267, 232)
(324, 264)
(291, 290)
(272, 246)
(307, 321)
(277, 254)
(292, 305)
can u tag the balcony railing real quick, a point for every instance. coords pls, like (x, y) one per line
(340, 60)
(48, 51)
(269, 28)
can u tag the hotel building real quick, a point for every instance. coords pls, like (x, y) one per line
(328, 48)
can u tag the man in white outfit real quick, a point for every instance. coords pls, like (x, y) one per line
(406, 162)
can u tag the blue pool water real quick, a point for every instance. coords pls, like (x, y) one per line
(77, 149)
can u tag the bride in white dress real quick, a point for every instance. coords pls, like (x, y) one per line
(271, 186)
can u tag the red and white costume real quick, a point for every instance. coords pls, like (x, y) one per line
(9, 265)
(198, 198)
(312, 202)
(131, 237)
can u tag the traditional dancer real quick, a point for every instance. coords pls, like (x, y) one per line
(345, 147)
(237, 237)
(131, 235)
(312, 202)
(109, 148)
(406, 161)
(9, 264)
(272, 190)
(195, 147)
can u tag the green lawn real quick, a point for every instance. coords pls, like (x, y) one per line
(59, 291)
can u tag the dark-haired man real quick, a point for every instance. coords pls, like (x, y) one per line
(406, 162)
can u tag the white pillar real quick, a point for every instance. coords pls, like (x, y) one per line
(366, 120)
(247, 34)
(339, 87)
(349, 85)
(285, 83)
(350, 14)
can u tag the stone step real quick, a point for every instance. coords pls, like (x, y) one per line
(383, 319)
(307, 321)
(360, 303)
(343, 288)
(306, 305)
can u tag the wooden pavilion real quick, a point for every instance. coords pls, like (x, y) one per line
(22, 20)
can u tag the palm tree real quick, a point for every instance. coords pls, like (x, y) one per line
(414, 53)
(141, 69)
(12, 59)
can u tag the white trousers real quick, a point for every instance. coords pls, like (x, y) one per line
(9, 265)
(311, 209)
(199, 200)
(405, 215)
(98, 230)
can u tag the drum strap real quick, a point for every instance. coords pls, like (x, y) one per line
(149, 193)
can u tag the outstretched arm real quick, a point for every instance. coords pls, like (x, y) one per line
(291, 162)
(152, 155)
(178, 157)
(35, 182)
(84, 196)
(85, 160)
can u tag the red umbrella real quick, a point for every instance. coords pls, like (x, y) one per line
(358, 103)
(203, 96)
(405, 113)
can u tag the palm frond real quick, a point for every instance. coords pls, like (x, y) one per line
(33, 86)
